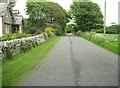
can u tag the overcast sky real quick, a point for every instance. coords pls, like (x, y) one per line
(111, 11)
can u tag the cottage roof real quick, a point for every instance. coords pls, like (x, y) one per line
(15, 12)
(7, 1)
(3, 7)
(18, 19)
(3, 1)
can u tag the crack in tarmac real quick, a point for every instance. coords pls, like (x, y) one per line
(75, 65)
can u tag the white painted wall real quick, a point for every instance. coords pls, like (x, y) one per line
(20, 28)
(1, 27)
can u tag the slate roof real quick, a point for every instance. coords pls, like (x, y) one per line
(18, 19)
(15, 12)
(3, 7)
(3, 1)
(6, 1)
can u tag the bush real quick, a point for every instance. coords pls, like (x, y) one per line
(99, 30)
(8, 53)
(45, 35)
(93, 30)
(26, 47)
(5, 37)
(22, 35)
(49, 31)
(58, 32)
(114, 29)
(79, 33)
(13, 36)
(33, 30)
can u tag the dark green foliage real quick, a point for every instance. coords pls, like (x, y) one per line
(98, 30)
(23, 48)
(46, 14)
(114, 29)
(70, 28)
(8, 53)
(58, 33)
(45, 35)
(87, 16)
(79, 33)
(33, 30)
(27, 25)
(28, 46)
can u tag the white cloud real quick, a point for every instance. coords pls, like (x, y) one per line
(111, 10)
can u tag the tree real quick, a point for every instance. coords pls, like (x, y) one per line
(70, 28)
(87, 15)
(43, 14)
(113, 29)
(27, 25)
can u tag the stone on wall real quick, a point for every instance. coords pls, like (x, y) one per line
(14, 46)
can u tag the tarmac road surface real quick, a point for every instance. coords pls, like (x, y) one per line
(75, 61)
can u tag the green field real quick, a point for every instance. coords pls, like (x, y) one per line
(20, 65)
(107, 41)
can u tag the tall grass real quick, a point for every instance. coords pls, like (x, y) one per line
(107, 41)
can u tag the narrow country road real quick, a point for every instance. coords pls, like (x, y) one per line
(75, 61)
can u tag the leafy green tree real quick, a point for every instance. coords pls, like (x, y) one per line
(27, 25)
(70, 28)
(87, 15)
(47, 14)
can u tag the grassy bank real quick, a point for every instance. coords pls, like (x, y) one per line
(107, 41)
(20, 65)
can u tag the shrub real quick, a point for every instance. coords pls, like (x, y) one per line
(49, 31)
(58, 32)
(93, 30)
(22, 35)
(79, 33)
(114, 29)
(33, 30)
(99, 30)
(5, 37)
(45, 35)
(34, 44)
(26, 47)
(8, 53)
(13, 36)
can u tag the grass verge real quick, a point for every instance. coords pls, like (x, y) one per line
(108, 41)
(20, 65)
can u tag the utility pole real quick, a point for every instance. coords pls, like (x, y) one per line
(105, 17)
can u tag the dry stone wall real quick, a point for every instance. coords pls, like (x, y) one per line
(13, 47)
